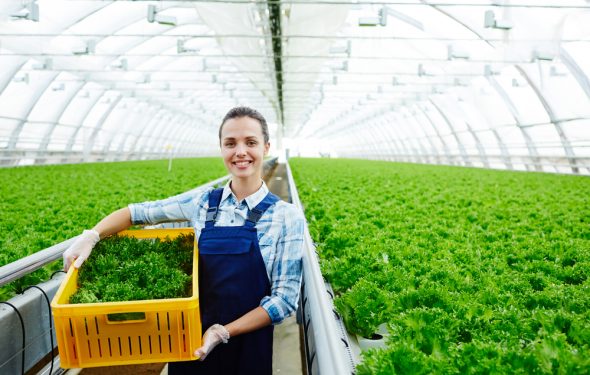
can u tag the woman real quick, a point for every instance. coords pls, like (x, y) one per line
(250, 247)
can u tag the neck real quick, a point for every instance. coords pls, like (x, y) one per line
(243, 188)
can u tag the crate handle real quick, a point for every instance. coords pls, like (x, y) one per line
(126, 317)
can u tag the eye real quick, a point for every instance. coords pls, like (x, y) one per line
(229, 144)
(252, 143)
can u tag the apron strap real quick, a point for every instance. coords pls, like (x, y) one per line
(256, 213)
(214, 200)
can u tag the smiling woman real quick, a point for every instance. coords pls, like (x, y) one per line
(250, 249)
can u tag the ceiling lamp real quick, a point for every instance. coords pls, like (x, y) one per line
(121, 64)
(87, 49)
(422, 71)
(341, 49)
(23, 78)
(542, 55)
(453, 53)
(180, 47)
(488, 71)
(30, 12)
(343, 66)
(381, 19)
(490, 21)
(45, 65)
(153, 16)
(144, 78)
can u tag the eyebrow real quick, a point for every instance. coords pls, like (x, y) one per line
(248, 137)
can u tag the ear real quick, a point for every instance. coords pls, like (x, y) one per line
(266, 148)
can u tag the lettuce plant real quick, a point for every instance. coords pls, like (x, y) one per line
(129, 269)
(472, 270)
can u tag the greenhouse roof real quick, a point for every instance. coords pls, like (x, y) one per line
(501, 84)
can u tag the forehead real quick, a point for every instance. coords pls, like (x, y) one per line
(241, 127)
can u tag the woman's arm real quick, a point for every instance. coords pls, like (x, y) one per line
(114, 222)
(286, 272)
(251, 321)
(216, 334)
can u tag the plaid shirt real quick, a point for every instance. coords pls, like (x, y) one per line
(280, 236)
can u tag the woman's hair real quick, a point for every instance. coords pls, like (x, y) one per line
(239, 112)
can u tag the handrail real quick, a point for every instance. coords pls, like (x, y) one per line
(33, 262)
(330, 345)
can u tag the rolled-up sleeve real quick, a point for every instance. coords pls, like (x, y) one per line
(182, 207)
(287, 268)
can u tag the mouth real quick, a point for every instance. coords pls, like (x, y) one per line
(242, 163)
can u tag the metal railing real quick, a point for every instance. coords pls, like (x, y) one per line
(328, 348)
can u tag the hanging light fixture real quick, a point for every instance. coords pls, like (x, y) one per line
(30, 12)
(153, 16)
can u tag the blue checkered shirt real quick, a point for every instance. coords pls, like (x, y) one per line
(280, 236)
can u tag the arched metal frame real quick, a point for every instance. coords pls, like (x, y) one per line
(409, 138)
(554, 120)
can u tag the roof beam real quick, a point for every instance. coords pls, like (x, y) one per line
(274, 18)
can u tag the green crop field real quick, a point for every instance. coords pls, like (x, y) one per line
(42, 206)
(474, 271)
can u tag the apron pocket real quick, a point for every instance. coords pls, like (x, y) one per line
(229, 240)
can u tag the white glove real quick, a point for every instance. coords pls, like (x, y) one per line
(80, 249)
(215, 335)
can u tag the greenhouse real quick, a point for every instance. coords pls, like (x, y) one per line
(326, 187)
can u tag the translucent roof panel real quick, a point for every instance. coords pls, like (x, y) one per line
(479, 81)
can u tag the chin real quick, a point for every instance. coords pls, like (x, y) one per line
(248, 173)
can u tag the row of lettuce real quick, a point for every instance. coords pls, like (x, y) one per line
(42, 206)
(473, 271)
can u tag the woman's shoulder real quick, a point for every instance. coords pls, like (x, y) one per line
(289, 210)
(199, 195)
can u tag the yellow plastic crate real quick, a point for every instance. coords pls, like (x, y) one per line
(165, 330)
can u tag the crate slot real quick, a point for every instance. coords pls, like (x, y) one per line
(160, 342)
(182, 319)
(168, 320)
(170, 343)
(71, 329)
(150, 342)
(110, 350)
(130, 349)
(96, 325)
(86, 326)
(158, 320)
(120, 348)
(139, 339)
(183, 343)
(99, 349)
(89, 349)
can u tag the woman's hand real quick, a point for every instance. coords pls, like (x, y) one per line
(79, 251)
(215, 335)
(83, 245)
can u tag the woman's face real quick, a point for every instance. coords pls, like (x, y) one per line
(242, 147)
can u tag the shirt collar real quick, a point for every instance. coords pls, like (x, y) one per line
(251, 200)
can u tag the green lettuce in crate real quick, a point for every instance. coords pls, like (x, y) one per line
(128, 269)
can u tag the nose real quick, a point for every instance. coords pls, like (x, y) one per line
(240, 149)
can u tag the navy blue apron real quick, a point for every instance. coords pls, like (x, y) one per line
(232, 282)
